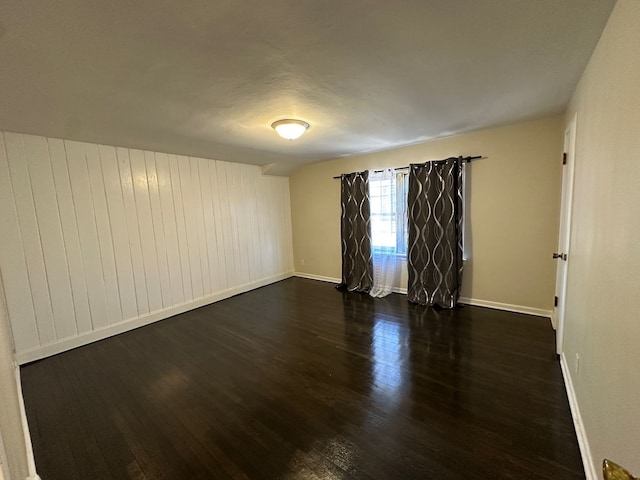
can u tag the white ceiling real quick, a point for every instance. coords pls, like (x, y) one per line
(208, 77)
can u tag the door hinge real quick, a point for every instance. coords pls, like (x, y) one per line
(555, 301)
(564, 158)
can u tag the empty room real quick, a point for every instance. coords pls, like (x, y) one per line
(319, 240)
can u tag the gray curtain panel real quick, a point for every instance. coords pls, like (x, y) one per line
(434, 257)
(355, 223)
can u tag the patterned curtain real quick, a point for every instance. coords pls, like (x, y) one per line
(355, 228)
(434, 259)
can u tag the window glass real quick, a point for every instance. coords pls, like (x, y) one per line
(388, 200)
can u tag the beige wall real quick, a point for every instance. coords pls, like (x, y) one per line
(10, 423)
(512, 213)
(603, 297)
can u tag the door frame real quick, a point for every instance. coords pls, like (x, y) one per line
(564, 231)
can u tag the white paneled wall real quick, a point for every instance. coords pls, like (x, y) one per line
(95, 240)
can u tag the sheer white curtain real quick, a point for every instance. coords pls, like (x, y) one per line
(382, 197)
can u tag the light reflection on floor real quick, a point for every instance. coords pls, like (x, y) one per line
(390, 350)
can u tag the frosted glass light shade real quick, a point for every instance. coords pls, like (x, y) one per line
(290, 129)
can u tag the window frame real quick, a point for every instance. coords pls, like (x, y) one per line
(401, 220)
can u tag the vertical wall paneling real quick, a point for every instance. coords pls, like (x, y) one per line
(181, 228)
(169, 224)
(248, 179)
(98, 239)
(248, 230)
(133, 230)
(103, 227)
(119, 231)
(274, 251)
(145, 225)
(286, 240)
(277, 252)
(229, 240)
(158, 228)
(50, 230)
(28, 224)
(263, 211)
(87, 233)
(209, 224)
(190, 224)
(232, 191)
(222, 275)
(283, 220)
(241, 221)
(267, 226)
(13, 263)
(274, 203)
(199, 224)
(70, 235)
(261, 200)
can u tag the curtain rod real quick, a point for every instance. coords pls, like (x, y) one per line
(464, 159)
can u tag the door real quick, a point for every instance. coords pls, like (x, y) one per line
(562, 254)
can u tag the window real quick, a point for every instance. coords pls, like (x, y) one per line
(388, 201)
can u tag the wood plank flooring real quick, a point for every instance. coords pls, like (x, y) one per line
(297, 380)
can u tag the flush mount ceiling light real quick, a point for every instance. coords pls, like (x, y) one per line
(290, 129)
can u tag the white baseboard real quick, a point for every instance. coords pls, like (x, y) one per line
(467, 301)
(67, 344)
(311, 276)
(506, 306)
(590, 469)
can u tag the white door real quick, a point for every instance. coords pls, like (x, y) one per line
(562, 254)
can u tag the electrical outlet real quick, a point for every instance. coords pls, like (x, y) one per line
(302, 261)
(577, 363)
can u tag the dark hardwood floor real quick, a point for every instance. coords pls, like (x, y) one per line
(297, 380)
